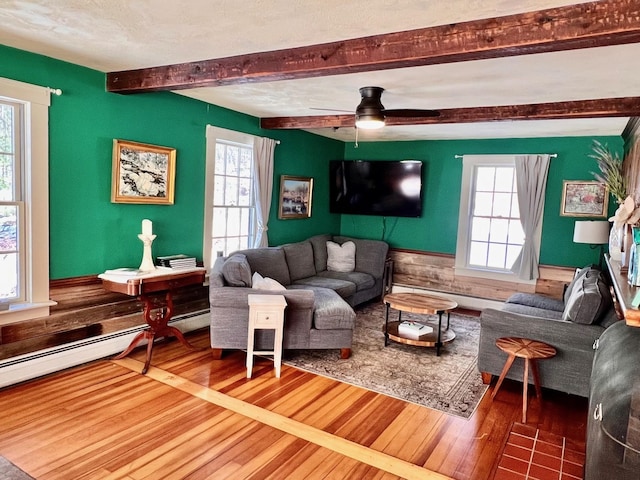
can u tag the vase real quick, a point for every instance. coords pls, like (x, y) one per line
(615, 243)
(633, 275)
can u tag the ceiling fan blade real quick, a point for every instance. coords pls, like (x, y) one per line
(410, 112)
(331, 110)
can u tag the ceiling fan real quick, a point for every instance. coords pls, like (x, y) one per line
(371, 114)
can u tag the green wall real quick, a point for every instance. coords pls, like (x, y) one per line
(88, 233)
(436, 230)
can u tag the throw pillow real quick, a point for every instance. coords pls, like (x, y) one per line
(236, 271)
(590, 298)
(341, 258)
(265, 283)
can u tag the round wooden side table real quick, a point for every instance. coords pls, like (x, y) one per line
(530, 351)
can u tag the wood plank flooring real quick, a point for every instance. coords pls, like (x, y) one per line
(193, 417)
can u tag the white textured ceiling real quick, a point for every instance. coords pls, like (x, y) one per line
(111, 35)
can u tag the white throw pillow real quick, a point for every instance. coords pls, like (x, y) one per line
(341, 258)
(265, 283)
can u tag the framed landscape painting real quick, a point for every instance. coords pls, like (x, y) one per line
(584, 199)
(295, 197)
(142, 173)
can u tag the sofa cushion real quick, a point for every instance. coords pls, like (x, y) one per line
(341, 258)
(269, 262)
(342, 287)
(362, 280)
(319, 244)
(299, 260)
(580, 272)
(331, 311)
(265, 283)
(532, 311)
(538, 301)
(236, 271)
(589, 299)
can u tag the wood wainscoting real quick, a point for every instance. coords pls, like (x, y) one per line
(435, 271)
(84, 310)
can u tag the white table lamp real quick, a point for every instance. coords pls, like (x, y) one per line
(593, 232)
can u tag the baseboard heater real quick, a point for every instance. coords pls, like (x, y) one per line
(36, 364)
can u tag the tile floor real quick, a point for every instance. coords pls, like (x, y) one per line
(531, 454)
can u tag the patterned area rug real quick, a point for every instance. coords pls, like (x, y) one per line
(450, 383)
(8, 471)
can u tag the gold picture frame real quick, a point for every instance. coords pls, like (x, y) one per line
(142, 173)
(584, 199)
(295, 197)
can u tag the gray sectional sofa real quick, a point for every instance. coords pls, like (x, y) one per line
(571, 325)
(319, 313)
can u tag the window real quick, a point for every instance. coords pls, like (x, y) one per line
(11, 204)
(233, 201)
(24, 201)
(490, 235)
(230, 215)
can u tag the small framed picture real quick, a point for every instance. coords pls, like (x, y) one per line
(584, 199)
(142, 173)
(295, 197)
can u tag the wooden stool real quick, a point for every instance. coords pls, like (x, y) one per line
(266, 312)
(530, 350)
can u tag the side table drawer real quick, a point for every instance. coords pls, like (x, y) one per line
(267, 318)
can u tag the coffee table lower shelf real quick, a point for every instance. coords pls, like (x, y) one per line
(427, 340)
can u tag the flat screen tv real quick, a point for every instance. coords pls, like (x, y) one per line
(376, 187)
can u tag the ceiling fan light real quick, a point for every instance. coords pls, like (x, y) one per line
(369, 122)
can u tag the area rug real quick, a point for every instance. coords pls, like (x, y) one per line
(8, 471)
(450, 383)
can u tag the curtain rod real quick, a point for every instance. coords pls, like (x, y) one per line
(551, 155)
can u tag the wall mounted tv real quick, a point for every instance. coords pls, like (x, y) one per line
(376, 187)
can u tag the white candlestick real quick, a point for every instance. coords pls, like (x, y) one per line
(147, 259)
(147, 227)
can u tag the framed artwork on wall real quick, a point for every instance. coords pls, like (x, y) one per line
(295, 197)
(584, 199)
(142, 173)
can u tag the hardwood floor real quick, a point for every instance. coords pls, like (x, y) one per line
(194, 417)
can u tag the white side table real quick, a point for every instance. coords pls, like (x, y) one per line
(266, 312)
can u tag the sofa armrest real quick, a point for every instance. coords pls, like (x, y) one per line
(558, 333)
(569, 371)
(230, 316)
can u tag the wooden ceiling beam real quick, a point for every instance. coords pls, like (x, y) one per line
(608, 107)
(587, 25)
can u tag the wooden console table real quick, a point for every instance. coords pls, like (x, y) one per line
(149, 289)
(625, 293)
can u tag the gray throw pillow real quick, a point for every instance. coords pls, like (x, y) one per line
(589, 299)
(236, 271)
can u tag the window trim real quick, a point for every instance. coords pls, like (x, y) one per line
(469, 163)
(36, 102)
(213, 134)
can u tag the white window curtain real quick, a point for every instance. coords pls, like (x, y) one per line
(531, 177)
(263, 153)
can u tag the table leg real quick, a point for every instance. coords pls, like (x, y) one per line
(157, 327)
(536, 377)
(448, 318)
(505, 370)
(386, 327)
(439, 342)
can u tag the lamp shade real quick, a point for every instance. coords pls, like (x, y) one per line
(591, 231)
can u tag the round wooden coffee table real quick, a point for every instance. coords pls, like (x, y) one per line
(422, 304)
(530, 350)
